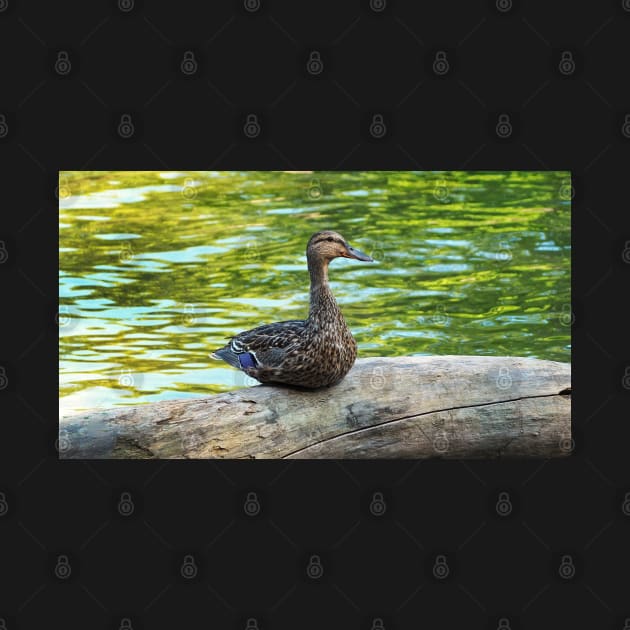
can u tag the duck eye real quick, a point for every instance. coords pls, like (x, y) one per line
(330, 239)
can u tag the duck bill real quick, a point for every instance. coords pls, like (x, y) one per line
(359, 255)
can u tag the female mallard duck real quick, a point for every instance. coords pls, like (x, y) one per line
(315, 352)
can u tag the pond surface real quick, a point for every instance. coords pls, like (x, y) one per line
(157, 269)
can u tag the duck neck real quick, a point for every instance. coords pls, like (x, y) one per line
(323, 304)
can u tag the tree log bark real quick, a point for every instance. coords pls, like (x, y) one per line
(399, 407)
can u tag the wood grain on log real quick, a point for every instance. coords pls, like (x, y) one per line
(398, 407)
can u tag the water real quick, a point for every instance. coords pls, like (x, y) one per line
(157, 269)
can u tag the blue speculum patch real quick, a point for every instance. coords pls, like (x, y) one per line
(246, 360)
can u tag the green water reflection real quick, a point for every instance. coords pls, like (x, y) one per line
(156, 269)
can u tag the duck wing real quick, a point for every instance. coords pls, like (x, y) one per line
(263, 346)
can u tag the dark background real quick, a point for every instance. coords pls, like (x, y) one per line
(69, 72)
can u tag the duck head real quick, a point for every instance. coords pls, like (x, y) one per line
(327, 245)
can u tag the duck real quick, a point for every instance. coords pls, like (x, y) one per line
(312, 353)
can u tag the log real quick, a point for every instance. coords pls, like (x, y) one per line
(398, 407)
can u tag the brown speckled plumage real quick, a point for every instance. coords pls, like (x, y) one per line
(315, 352)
